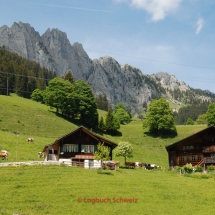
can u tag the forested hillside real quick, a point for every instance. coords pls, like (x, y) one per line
(20, 75)
(192, 111)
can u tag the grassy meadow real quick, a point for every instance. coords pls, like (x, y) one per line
(68, 190)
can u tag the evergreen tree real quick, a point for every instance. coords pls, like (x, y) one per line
(102, 102)
(22, 83)
(20, 75)
(101, 124)
(69, 76)
(112, 122)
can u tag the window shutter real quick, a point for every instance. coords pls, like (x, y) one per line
(76, 148)
(82, 148)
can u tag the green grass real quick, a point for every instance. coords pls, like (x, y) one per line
(68, 190)
(55, 189)
(32, 119)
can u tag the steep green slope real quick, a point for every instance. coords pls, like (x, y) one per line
(32, 119)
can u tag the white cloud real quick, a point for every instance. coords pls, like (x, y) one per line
(199, 25)
(157, 8)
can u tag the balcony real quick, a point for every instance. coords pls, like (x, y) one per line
(208, 149)
(209, 160)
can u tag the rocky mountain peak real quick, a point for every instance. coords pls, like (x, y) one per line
(168, 81)
(120, 83)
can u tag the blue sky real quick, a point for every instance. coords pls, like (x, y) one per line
(174, 36)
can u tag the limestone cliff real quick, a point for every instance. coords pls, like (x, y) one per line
(120, 83)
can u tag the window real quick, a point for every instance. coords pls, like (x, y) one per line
(193, 158)
(55, 151)
(188, 147)
(182, 158)
(89, 148)
(199, 157)
(70, 148)
(188, 158)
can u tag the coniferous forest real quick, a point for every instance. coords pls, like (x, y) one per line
(21, 76)
(191, 111)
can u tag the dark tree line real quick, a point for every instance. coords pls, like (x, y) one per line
(20, 75)
(102, 102)
(192, 112)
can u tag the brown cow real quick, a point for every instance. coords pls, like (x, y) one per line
(130, 164)
(4, 154)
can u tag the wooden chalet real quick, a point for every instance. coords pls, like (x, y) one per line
(197, 149)
(77, 147)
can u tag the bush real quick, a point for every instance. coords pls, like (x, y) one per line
(210, 168)
(178, 168)
(188, 168)
(198, 169)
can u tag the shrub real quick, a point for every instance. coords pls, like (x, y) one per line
(178, 168)
(210, 168)
(198, 169)
(188, 168)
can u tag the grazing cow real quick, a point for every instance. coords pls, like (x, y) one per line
(130, 164)
(4, 154)
(16, 133)
(30, 139)
(138, 164)
(117, 163)
(109, 165)
(150, 166)
(40, 155)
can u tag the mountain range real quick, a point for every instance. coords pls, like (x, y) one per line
(120, 83)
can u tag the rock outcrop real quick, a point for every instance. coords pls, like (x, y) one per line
(120, 83)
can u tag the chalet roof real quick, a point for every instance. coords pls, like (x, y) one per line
(206, 130)
(90, 133)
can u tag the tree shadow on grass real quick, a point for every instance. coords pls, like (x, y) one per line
(164, 136)
(77, 122)
(104, 173)
(126, 167)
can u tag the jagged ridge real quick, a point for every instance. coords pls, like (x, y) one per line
(120, 83)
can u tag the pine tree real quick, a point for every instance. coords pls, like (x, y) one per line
(69, 76)
(112, 122)
(101, 124)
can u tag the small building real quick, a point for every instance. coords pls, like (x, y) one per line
(197, 149)
(77, 148)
